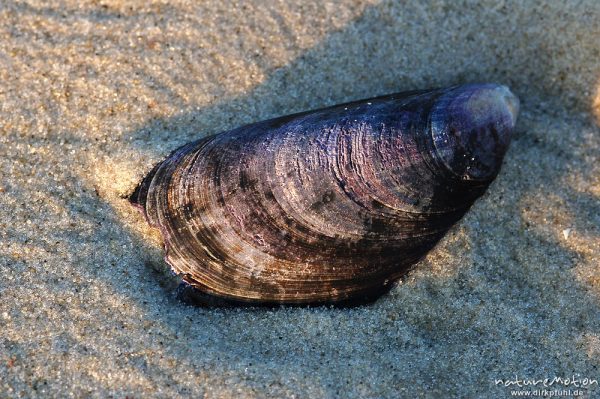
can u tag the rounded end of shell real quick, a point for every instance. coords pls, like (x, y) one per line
(471, 127)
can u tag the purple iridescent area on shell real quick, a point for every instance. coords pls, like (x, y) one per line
(326, 206)
(471, 127)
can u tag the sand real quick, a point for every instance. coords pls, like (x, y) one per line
(93, 94)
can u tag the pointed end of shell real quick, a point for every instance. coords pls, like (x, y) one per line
(136, 198)
(140, 195)
(472, 126)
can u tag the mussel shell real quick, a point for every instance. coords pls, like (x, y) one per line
(326, 206)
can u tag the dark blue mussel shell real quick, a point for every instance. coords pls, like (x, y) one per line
(326, 206)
